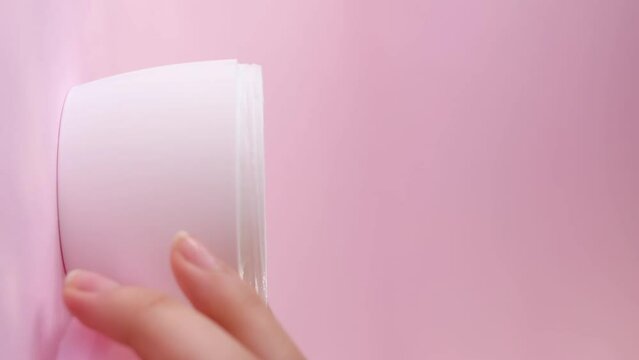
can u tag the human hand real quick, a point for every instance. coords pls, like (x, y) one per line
(228, 319)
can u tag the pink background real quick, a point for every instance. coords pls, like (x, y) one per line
(447, 179)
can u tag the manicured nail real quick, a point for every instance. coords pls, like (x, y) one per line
(87, 281)
(194, 252)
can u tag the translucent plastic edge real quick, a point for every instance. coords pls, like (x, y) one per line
(250, 178)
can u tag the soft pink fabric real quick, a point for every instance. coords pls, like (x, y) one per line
(447, 179)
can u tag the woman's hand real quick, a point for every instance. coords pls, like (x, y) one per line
(228, 319)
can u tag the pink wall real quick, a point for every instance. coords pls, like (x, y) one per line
(446, 179)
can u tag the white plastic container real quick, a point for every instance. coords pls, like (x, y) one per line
(147, 153)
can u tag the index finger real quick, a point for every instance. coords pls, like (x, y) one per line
(152, 324)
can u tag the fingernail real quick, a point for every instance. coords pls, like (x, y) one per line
(194, 252)
(87, 281)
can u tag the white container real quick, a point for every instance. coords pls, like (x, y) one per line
(147, 153)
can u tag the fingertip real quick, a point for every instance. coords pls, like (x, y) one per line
(68, 279)
(177, 258)
(89, 282)
(83, 289)
(179, 236)
(74, 299)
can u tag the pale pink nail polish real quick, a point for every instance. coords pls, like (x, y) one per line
(194, 252)
(87, 281)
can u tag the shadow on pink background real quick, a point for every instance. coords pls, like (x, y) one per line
(446, 179)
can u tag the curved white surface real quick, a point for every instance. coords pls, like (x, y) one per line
(147, 153)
